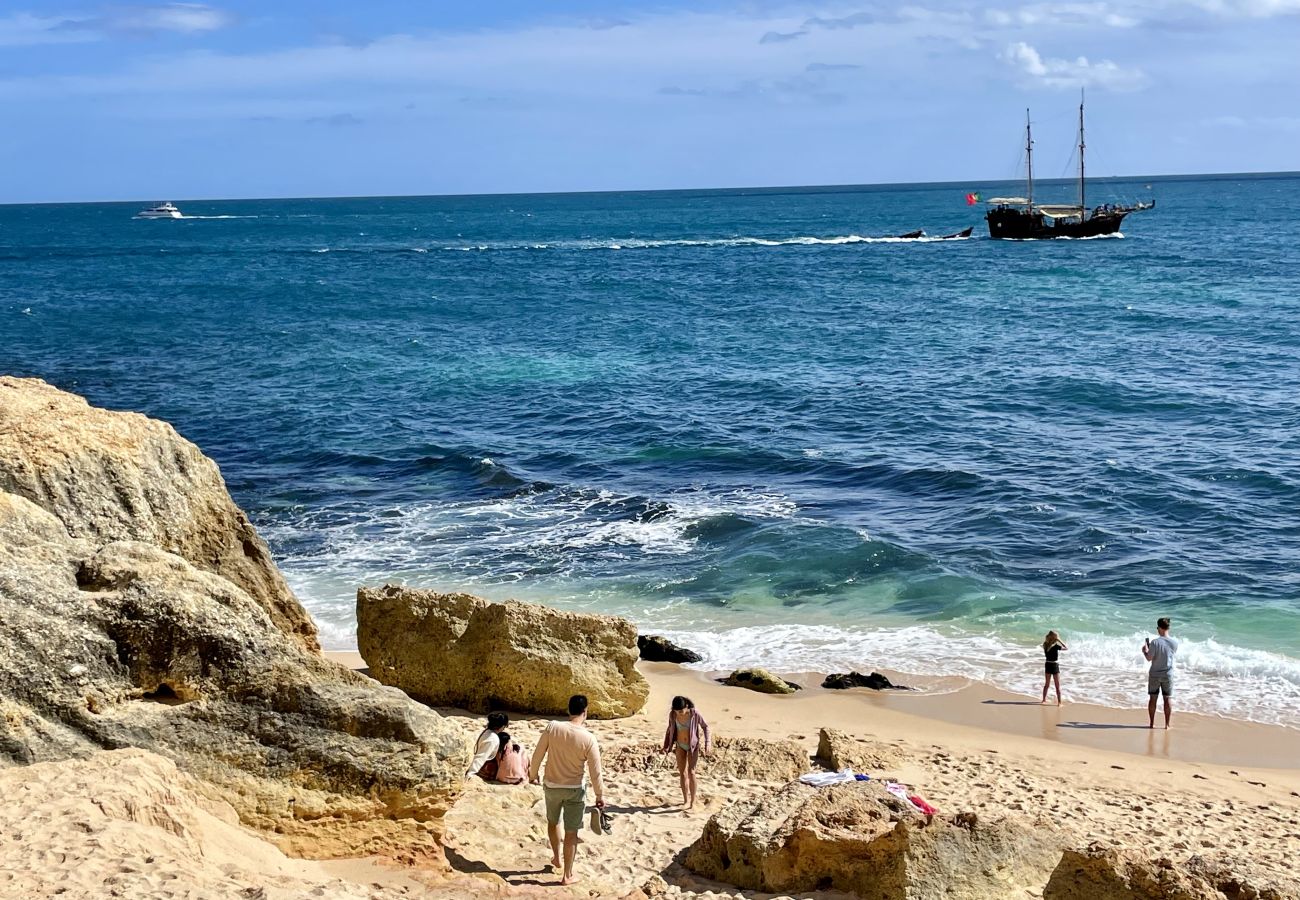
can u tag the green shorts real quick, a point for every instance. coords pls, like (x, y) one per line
(1161, 684)
(571, 802)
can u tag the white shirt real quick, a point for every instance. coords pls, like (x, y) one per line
(489, 742)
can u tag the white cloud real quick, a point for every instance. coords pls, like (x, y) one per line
(1072, 73)
(1254, 9)
(27, 29)
(1047, 15)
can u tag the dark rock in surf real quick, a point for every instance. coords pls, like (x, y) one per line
(875, 681)
(654, 648)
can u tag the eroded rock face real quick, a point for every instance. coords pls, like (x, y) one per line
(859, 839)
(1105, 873)
(120, 476)
(760, 680)
(464, 651)
(108, 643)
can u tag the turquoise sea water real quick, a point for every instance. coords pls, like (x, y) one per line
(735, 416)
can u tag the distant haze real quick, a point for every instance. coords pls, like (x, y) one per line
(239, 99)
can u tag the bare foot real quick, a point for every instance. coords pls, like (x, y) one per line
(569, 879)
(555, 861)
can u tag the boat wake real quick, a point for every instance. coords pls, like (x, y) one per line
(651, 244)
(219, 217)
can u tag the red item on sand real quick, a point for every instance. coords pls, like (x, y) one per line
(920, 804)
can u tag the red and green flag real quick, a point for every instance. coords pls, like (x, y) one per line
(972, 198)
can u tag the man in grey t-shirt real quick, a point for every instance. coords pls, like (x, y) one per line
(1160, 680)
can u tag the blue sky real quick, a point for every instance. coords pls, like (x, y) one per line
(298, 98)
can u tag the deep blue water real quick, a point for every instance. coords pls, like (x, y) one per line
(729, 416)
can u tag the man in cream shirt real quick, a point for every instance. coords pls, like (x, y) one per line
(568, 748)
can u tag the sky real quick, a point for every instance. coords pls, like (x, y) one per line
(237, 98)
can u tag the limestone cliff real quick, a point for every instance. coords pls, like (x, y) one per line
(112, 636)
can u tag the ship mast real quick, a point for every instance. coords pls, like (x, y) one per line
(1081, 206)
(1029, 162)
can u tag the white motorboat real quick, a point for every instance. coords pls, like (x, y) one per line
(161, 211)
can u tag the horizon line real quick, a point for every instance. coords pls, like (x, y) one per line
(826, 188)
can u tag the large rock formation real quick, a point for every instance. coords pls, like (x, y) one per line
(120, 476)
(1105, 873)
(858, 838)
(464, 651)
(108, 642)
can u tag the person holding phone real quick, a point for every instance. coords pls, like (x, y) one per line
(1160, 678)
(1052, 647)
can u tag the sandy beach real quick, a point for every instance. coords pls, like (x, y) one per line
(1207, 786)
(127, 823)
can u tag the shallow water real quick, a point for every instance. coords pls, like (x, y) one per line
(751, 420)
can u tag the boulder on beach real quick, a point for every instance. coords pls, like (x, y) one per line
(760, 680)
(875, 681)
(654, 648)
(837, 750)
(1106, 873)
(464, 651)
(111, 636)
(859, 839)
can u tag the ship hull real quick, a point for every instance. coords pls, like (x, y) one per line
(1022, 225)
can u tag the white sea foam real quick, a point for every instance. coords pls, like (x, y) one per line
(220, 217)
(558, 530)
(1210, 677)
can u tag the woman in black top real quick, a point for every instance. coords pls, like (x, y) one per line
(1052, 646)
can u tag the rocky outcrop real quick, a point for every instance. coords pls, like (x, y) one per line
(859, 839)
(654, 648)
(760, 680)
(875, 681)
(837, 750)
(1105, 873)
(120, 476)
(111, 643)
(464, 651)
(753, 759)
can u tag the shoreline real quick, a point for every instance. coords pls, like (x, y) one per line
(977, 714)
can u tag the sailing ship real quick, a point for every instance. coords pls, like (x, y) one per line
(1019, 218)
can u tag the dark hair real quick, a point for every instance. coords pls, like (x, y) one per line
(1163, 622)
(680, 703)
(505, 743)
(577, 704)
(497, 721)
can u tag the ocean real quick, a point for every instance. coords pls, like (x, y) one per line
(747, 419)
